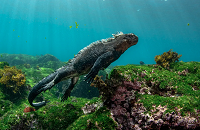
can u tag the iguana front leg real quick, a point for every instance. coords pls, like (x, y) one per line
(73, 81)
(102, 62)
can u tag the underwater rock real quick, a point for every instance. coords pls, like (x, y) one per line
(26, 60)
(27, 66)
(133, 106)
(46, 58)
(17, 59)
(17, 62)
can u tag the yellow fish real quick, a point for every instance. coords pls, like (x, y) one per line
(18, 36)
(188, 24)
(13, 29)
(76, 24)
(56, 18)
(70, 26)
(26, 41)
(1, 55)
(45, 38)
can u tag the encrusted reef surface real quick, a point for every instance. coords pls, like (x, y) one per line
(140, 97)
(151, 97)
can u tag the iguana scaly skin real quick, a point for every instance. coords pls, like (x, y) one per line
(89, 60)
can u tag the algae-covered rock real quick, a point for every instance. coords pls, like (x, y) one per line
(23, 59)
(60, 116)
(46, 58)
(134, 97)
(17, 59)
(151, 97)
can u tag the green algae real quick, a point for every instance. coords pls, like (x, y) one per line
(35, 75)
(59, 115)
(184, 94)
(2, 64)
(174, 89)
(100, 119)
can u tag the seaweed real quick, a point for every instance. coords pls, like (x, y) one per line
(167, 58)
(12, 78)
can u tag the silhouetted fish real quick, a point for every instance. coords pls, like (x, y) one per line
(141, 63)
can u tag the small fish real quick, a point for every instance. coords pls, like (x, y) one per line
(142, 63)
(1, 55)
(45, 38)
(26, 41)
(13, 29)
(28, 109)
(188, 24)
(76, 24)
(56, 18)
(18, 36)
(70, 26)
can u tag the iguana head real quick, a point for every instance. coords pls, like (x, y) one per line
(125, 41)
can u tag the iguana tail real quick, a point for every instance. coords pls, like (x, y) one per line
(43, 85)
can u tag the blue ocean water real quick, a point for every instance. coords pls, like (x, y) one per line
(39, 27)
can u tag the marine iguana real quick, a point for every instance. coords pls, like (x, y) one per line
(89, 60)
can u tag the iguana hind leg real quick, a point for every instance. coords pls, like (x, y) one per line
(73, 81)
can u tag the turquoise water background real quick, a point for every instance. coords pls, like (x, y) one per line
(39, 27)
